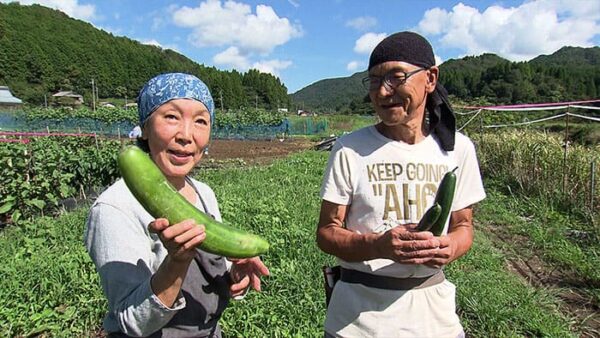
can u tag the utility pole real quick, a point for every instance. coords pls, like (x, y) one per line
(93, 97)
(221, 96)
(45, 101)
(255, 101)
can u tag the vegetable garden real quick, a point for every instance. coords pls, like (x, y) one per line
(532, 271)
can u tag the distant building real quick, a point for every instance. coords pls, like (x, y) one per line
(7, 100)
(282, 110)
(68, 98)
(305, 113)
(106, 104)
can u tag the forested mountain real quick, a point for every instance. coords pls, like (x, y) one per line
(571, 73)
(43, 51)
(330, 94)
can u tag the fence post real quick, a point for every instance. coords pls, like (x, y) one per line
(566, 146)
(592, 184)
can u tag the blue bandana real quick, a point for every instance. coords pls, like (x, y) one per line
(166, 87)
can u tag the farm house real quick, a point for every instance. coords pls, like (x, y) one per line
(68, 98)
(7, 100)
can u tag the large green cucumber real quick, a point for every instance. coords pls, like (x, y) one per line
(429, 218)
(444, 197)
(151, 188)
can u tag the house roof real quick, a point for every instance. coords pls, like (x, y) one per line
(7, 97)
(67, 94)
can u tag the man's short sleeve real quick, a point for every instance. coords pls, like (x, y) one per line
(337, 186)
(469, 187)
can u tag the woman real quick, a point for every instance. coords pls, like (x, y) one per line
(157, 281)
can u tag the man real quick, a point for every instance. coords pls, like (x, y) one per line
(378, 183)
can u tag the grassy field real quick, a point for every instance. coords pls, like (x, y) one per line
(49, 286)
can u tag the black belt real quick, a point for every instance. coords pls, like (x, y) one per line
(390, 283)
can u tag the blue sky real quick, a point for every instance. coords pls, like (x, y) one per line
(303, 41)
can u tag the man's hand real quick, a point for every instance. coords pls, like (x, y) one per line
(444, 255)
(246, 272)
(402, 245)
(179, 239)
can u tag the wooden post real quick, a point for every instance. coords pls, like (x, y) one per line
(592, 184)
(566, 146)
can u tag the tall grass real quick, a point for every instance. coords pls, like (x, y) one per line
(534, 163)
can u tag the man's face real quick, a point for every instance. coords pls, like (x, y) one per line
(399, 91)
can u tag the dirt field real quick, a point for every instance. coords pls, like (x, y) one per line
(254, 152)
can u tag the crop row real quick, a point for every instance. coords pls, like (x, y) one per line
(38, 174)
(231, 117)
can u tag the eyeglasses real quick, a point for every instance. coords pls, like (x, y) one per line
(390, 81)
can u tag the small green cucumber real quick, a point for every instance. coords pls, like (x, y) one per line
(429, 218)
(154, 192)
(444, 197)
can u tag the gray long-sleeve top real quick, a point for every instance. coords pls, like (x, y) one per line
(126, 256)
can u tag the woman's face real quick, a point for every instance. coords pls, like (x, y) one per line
(177, 133)
(405, 104)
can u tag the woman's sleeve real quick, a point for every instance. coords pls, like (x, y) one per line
(121, 249)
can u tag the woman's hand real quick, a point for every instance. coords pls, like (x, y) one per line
(246, 272)
(179, 239)
(405, 246)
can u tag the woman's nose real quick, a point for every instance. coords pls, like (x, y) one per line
(185, 132)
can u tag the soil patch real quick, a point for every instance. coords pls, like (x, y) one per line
(253, 152)
(572, 291)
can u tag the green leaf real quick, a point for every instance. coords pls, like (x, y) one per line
(16, 216)
(6, 207)
(36, 203)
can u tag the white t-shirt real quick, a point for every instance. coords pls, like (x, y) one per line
(387, 183)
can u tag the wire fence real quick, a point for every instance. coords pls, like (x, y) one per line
(17, 122)
(543, 164)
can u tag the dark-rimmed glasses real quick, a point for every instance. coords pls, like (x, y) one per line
(390, 81)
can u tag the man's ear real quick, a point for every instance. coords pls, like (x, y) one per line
(432, 78)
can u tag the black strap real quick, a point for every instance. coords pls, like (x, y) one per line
(442, 120)
(390, 283)
(204, 206)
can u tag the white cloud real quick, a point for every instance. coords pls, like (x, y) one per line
(438, 60)
(157, 23)
(233, 23)
(516, 33)
(271, 66)
(70, 7)
(232, 57)
(294, 3)
(366, 43)
(354, 65)
(362, 23)
(151, 42)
